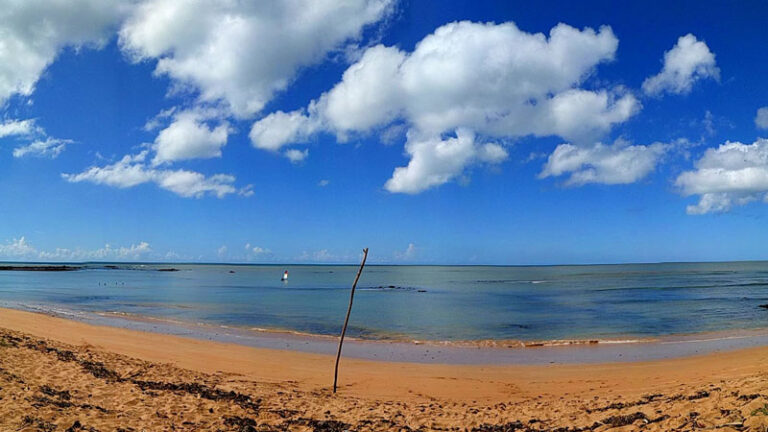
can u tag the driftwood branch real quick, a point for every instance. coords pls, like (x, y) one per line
(346, 320)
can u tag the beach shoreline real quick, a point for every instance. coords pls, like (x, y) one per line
(213, 356)
(458, 395)
(485, 352)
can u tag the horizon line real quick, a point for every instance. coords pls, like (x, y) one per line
(2, 262)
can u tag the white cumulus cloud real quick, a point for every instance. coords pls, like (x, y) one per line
(132, 170)
(189, 137)
(618, 163)
(489, 80)
(33, 32)
(296, 156)
(231, 56)
(732, 174)
(278, 128)
(435, 161)
(689, 61)
(241, 53)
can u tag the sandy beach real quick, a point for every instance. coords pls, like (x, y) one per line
(57, 374)
(516, 216)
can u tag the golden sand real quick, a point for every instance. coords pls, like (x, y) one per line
(62, 375)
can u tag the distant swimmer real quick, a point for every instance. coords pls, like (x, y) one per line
(285, 276)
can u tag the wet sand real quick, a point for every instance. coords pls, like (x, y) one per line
(58, 374)
(483, 352)
(496, 352)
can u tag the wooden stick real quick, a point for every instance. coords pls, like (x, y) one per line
(346, 320)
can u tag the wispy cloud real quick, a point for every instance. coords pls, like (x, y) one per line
(132, 170)
(408, 254)
(50, 147)
(19, 248)
(36, 141)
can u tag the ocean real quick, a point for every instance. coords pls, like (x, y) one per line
(424, 303)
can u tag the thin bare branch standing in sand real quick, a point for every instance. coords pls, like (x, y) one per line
(346, 320)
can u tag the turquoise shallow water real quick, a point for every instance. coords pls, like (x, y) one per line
(427, 303)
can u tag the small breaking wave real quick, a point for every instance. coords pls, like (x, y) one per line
(371, 336)
(514, 343)
(510, 281)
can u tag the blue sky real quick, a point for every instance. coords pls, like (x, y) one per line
(430, 132)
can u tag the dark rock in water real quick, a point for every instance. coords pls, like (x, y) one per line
(386, 288)
(231, 271)
(764, 306)
(393, 287)
(40, 268)
(515, 326)
(168, 269)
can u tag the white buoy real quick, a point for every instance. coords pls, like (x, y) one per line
(285, 276)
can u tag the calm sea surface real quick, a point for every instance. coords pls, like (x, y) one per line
(419, 302)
